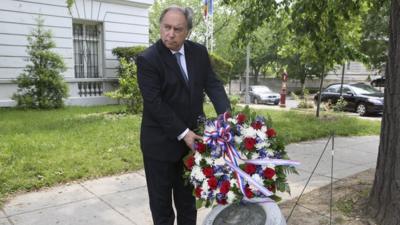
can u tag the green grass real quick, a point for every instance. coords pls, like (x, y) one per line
(44, 148)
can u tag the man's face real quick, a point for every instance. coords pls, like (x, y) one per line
(173, 30)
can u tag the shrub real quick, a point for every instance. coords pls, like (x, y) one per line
(41, 84)
(340, 105)
(128, 53)
(128, 92)
(304, 103)
(221, 67)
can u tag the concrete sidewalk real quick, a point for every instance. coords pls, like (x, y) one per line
(123, 200)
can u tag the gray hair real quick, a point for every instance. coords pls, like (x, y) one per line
(186, 11)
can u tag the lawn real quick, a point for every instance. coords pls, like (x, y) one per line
(44, 148)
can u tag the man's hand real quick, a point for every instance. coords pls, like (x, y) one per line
(190, 139)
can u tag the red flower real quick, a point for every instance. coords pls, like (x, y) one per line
(208, 171)
(225, 186)
(200, 147)
(222, 201)
(212, 182)
(271, 132)
(249, 143)
(256, 125)
(271, 187)
(248, 192)
(250, 168)
(198, 191)
(189, 162)
(241, 118)
(269, 173)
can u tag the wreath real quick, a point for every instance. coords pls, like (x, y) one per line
(241, 158)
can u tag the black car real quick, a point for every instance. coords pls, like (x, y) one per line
(378, 82)
(360, 97)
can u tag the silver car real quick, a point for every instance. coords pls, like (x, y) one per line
(260, 94)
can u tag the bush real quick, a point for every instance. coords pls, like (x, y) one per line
(304, 103)
(221, 67)
(41, 84)
(128, 53)
(128, 92)
(340, 105)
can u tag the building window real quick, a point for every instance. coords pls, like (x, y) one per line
(87, 49)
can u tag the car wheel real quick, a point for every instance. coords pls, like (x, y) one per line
(256, 101)
(361, 109)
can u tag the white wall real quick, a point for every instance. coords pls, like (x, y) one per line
(125, 23)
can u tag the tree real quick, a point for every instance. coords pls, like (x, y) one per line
(384, 201)
(128, 91)
(375, 35)
(41, 84)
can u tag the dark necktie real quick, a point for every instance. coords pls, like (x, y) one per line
(178, 59)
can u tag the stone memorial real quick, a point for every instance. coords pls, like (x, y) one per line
(246, 214)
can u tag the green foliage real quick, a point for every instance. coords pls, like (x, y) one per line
(70, 3)
(340, 105)
(41, 84)
(221, 67)
(304, 102)
(128, 53)
(128, 92)
(375, 35)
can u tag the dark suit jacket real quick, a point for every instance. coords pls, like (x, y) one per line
(169, 104)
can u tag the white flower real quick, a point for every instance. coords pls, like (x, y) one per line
(197, 173)
(249, 132)
(209, 160)
(261, 134)
(270, 153)
(231, 120)
(257, 178)
(264, 129)
(238, 140)
(233, 182)
(197, 158)
(260, 145)
(204, 187)
(254, 156)
(230, 197)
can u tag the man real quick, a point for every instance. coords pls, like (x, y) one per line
(172, 87)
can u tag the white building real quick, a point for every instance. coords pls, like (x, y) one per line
(84, 35)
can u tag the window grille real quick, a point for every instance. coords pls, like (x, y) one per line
(86, 50)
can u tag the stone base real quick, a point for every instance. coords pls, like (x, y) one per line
(273, 215)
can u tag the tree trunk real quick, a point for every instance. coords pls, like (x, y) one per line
(385, 194)
(320, 92)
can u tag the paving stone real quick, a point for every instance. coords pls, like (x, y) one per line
(4, 221)
(115, 184)
(47, 198)
(89, 212)
(134, 204)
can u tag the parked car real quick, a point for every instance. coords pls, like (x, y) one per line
(260, 94)
(360, 97)
(378, 82)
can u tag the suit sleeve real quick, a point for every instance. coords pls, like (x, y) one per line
(215, 89)
(150, 86)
